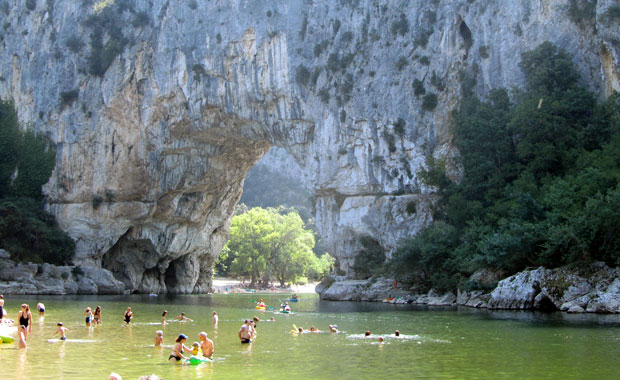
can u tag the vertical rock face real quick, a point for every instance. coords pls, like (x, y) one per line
(152, 153)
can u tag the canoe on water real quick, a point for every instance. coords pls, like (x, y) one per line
(6, 339)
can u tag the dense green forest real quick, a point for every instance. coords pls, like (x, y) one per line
(27, 160)
(540, 186)
(269, 244)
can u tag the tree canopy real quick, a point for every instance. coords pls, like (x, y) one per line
(271, 244)
(27, 160)
(540, 182)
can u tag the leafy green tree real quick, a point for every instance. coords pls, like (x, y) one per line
(10, 142)
(268, 244)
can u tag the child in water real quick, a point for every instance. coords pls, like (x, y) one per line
(195, 348)
(159, 338)
(88, 313)
(183, 318)
(62, 331)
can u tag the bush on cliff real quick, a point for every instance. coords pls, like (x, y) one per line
(26, 163)
(541, 184)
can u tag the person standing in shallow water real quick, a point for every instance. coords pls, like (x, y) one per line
(97, 316)
(1, 307)
(128, 316)
(245, 332)
(163, 317)
(215, 318)
(24, 318)
(206, 345)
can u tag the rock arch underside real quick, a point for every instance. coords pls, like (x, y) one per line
(152, 153)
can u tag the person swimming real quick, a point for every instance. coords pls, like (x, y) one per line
(396, 333)
(62, 331)
(333, 328)
(179, 347)
(89, 316)
(127, 317)
(183, 318)
(367, 333)
(159, 338)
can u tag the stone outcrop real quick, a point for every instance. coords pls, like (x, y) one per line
(17, 278)
(152, 152)
(594, 290)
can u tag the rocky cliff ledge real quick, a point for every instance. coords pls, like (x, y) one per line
(593, 290)
(159, 108)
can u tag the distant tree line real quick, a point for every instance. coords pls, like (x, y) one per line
(27, 160)
(540, 185)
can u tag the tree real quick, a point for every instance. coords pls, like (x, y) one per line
(271, 244)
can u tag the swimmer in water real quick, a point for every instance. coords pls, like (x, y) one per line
(41, 309)
(163, 317)
(206, 344)
(159, 338)
(245, 332)
(380, 339)
(195, 348)
(97, 316)
(367, 333)
(179, 347)
(25, 320)
(62, 331)
(396, 333)
(333, 328)
(128, 316)
(88, 313)
(183, 318)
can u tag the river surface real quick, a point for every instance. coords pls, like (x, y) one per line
(439, 343)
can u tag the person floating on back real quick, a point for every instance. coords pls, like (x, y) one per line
(62, 331)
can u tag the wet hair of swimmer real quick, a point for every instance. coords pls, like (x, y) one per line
(367, 333)
(181, 337)
(59, 323)
(164, 313)
(397, 333)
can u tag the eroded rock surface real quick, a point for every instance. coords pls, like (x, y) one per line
(151, 154)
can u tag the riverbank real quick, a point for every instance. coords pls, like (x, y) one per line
(231, 285)
(593, 289)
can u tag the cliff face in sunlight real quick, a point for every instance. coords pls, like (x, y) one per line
(159, 108)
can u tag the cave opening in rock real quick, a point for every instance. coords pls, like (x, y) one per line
(465, 33)
(170, 276)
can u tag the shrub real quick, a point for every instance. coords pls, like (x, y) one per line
(613, 12)
(192, 4)
(336, 26)
(333, 62)
(77, 272)
(324, 95)
(411, 207)
(401, 63)
(425, 60)
(199, 70)
(140, 19)
(75, 44)
(418, 87)
(347, 36)
(483, 51)
(400, 27)
(399, 126)
(342, 151)
(343, 116)
(429, 102)
(109, 196)
(68, 97)
(582, 12)
(96, 201)
(378, 160)
(302, 76)
(31, 4)
(315, 75)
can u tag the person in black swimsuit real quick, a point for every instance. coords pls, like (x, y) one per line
(179, 347)
(25, 319)
(128, 315)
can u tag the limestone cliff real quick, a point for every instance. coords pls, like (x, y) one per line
(157, 123)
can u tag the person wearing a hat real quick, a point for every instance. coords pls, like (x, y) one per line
(179, 347)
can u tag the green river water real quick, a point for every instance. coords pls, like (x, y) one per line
(435, 343)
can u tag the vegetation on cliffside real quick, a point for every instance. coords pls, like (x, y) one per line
(27, 160)
(540, 185)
